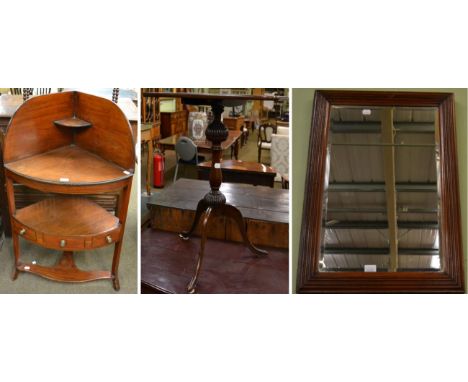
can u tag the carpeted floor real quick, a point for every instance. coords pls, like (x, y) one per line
(96, 259)
(168, 264)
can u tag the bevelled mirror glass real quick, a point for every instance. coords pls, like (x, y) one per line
(381, 209)
(381, 204)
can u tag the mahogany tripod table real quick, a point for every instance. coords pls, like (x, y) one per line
(214, 202)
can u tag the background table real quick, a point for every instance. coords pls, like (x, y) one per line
(237, 171)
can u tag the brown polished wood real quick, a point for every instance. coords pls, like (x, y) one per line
(264, 138)
(29, 121)
(72, 122)
(173, 123)
(8, 105)
(59, 158)
(237, 171)
(451, 279)
(210, 98)
(68, 165)
(48, 222)
(234, 123)
(111, 133)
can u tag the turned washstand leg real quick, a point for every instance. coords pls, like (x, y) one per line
(201, 207)
(15, 238)
(115, 265)
(193, 283)
(121, 213)
(233, 213)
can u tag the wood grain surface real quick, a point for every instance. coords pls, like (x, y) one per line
(68, 165)
(451, 279)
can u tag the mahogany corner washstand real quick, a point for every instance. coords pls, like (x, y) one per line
(70, 144)
(214, 202)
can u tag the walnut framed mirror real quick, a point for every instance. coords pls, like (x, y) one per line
(381, 206)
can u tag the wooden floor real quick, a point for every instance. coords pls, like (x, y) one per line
(168, 263)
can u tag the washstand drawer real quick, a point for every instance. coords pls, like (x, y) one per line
(107, 239)
(24, 231)
(63, 243)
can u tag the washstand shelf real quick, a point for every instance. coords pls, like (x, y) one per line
(70, 144)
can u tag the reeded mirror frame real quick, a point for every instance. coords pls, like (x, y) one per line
(451, 279)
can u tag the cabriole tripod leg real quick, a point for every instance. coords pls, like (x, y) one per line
(235, 214)
(193, 283)
(198, 213)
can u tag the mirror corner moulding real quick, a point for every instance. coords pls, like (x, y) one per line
(451, 278)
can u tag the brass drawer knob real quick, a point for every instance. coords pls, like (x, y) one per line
(63, 243)
(109, 239)
(22, 231)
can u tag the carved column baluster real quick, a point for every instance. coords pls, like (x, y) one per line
(216, 133)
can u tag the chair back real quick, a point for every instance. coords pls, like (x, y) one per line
(16, 91)
(266, 131)
(186, 149)
(41, 91)
(115, 95)
(26, 92)
(279, 154)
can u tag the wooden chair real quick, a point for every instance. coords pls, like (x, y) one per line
(41, 91)
(26, 92)
(265, 132)
(115, 95)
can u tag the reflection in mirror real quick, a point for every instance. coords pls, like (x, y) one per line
(381, 199)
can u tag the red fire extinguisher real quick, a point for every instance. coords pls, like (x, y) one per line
(158, 169)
